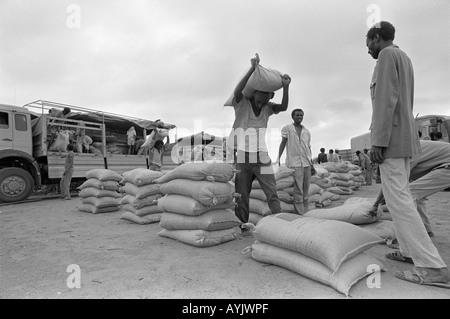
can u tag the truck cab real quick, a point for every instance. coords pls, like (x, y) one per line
(19, 171)
(15, 129)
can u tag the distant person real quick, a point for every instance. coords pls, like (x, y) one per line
(296, 138)
(131, 139)
(368, 167)
(80, 133)
(394, 141)
(361, 159)
(66, 179)
(338, 156)
(322, 157)
(438, 137)
(61, 114)
(252, 158)
(137, 146)
(432, 136)
(332, 157)
(155, 156)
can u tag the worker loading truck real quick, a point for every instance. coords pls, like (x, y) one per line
(32, 136)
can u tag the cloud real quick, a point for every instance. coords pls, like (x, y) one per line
(180, 60)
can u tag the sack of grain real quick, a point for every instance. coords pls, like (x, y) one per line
(258, 193)
(254, 218)
(213, 172)
(144, 202)
(94, 182)
(262, 79)
(382, 228)
(185, 205)
(140, 176)
(350, 272)
(205, 192)
(282, 172)
(144, 220)
(330, 242)
(101, 202)
(202, 238)
(357, 214)
(103, 175)
(144, 211)
(95, 192)
(140, 192)
(216, 219)
(61, 141)
(89, 208)
(262, 208)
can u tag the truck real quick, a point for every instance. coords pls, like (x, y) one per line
(425, 124)
(27, 160)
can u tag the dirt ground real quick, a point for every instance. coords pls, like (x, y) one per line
(120, 259)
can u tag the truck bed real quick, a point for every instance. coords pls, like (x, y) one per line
(84, 162)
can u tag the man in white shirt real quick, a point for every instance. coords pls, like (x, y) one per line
(297, 138)
(248, 137)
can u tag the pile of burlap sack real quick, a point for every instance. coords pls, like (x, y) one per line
(198, 204)
(328, 251)
(99, 193)
(140, 195)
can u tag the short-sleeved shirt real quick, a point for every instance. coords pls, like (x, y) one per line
(298, 148)
(69, 160)
(250, 129)
(322, 158)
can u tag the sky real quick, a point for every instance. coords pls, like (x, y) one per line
(179, 60)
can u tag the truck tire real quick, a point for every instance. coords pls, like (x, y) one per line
(16, 184)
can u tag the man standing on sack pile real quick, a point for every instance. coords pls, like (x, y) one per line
(394, 141)
(252, 160)
(297, 138)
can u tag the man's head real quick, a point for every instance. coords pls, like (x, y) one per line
(438, 135)
(297, 116)
(70, 147)
(336, 150)
(358, 152)
(379, 36)
(322, 150)
(66, 110)
(365, 151)
(331, 151)
(159, 144)
(262, 98)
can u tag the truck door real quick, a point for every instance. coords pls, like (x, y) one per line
(21, 130)
(6, 137)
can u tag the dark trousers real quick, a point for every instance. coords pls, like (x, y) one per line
(251, 166)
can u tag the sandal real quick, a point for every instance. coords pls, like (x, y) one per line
(416, 278)
(396, 255)
(247, 229)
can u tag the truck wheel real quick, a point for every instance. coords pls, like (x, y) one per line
(16, 184)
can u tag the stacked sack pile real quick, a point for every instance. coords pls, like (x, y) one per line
(99, 193)
(328, 251)
(340, 174)
(319, 193)
(140, 195)
(198, 204)
(258, 205)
